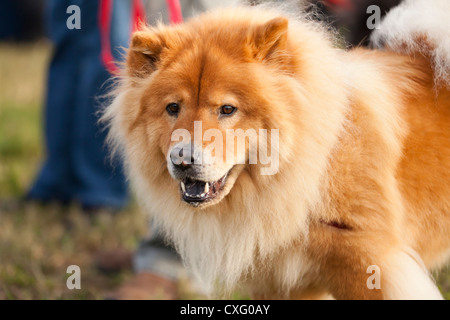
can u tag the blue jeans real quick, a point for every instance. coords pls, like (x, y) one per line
(77, 166)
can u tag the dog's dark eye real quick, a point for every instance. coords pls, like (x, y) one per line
(173, 109)
(227, 110)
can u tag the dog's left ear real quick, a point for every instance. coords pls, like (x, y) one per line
(144, 53)
(265, 41)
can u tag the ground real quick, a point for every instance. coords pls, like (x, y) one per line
(38, 243)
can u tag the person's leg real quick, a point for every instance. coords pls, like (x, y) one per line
(55, 180)
(101, 184)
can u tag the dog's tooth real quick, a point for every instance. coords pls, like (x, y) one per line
(207, 187)
(183, 187)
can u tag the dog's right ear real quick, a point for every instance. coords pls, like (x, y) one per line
(144, 53)
(266, 41)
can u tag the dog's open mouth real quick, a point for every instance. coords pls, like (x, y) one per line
(196, 192)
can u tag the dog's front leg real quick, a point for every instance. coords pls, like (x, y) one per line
(397, 275)
(405, 277)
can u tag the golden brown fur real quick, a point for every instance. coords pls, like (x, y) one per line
(364, 175)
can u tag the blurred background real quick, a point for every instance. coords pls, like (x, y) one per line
(40, 238)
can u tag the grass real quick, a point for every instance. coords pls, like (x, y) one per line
(20, 114)
(38, 243)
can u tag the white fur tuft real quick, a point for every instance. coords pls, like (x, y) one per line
(405, 28)
(408, 279)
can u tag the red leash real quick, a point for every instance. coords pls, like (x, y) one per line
(139, 16)
(346, 4)
(105, 14)
(138, 20)
(175, 14)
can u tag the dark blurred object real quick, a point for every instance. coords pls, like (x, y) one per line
(114, 261)
(21, 20)
(350, 17)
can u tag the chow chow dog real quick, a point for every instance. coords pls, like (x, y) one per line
(357, 204)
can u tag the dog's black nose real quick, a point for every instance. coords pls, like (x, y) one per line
(183, 156)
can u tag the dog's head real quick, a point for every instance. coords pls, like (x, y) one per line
(188, 91)
(206, 95)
